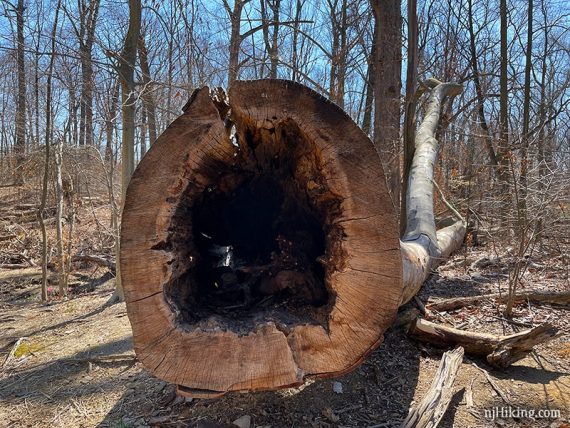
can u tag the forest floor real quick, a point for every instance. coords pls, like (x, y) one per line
(73, 363)
(76, 368)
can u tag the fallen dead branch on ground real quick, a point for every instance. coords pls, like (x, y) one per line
(499, 351)
(98, 260)
(430, 410)
(553, 297)
(13, 266)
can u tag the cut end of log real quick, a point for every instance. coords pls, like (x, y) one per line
(258, 244)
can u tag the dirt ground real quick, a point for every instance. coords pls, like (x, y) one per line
(75, 366)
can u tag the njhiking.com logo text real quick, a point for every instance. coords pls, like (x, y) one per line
(509, 412)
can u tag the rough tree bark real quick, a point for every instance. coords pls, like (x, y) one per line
(388, 83)
(20, 143)
(126, 71)
(273, 230)
(89, 13)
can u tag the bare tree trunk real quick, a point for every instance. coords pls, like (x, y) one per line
(526, 112)
(20, 143)
(478, 88)
(235, 38)
(62, 264)
(388, 82)
(338, 55)
(35, 140)
(73, 115)
(128, 98)
(69, 198)
(110, 122)
(271, 45)
(504, 94)
(274, 54)
(142, 136)
(147, 93)
(521, 192)
(88, 21)
(370, 83)
(47, 142)
(541, 158)
(109, 162)
(411, 102)
(295, 56)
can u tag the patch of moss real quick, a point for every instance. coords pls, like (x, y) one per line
(27, 348)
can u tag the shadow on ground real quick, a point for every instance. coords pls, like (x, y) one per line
(63, 379)
(379, 391)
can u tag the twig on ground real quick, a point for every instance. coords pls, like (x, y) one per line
(13, 351)
(493, 384)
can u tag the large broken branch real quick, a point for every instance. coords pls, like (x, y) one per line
(499, 351)
(422, 246)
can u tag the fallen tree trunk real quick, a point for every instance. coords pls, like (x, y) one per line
(423, 248)
(499, 351)
(552, 297)
(98, 260)
(13, 266)
(259, 244)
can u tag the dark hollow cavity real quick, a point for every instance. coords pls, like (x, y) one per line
(252, 245)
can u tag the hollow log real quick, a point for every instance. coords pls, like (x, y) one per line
(259, 244)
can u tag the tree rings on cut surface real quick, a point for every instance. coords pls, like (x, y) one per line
(259, 244)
